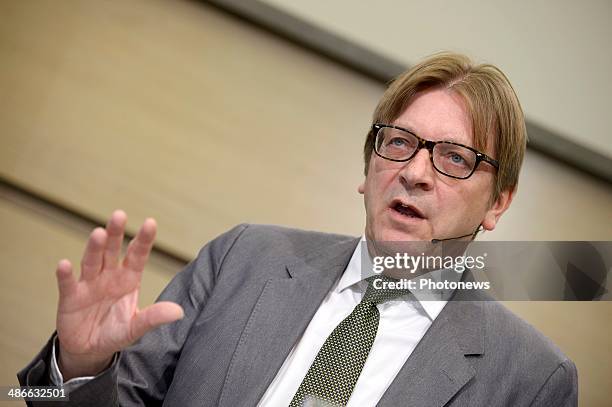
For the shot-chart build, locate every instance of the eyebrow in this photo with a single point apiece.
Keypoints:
(452, 139)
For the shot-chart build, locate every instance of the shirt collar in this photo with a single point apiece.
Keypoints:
(431, 301)
(353, 273)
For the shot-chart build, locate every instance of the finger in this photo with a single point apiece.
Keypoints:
(66, 282)
(140, 247)
(153, 316)
(114, 230)
(91, 263)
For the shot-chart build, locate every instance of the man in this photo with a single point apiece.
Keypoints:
(274, 317)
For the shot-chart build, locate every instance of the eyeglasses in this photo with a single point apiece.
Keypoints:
(449, 158)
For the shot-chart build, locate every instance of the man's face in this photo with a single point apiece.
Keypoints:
(439, 206)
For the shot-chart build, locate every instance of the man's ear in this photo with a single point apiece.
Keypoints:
(498, 207)
(361, 188)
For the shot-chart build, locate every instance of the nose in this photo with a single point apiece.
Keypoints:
(418, 173)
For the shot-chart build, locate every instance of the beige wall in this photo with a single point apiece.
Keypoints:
(176, 111)
(557, 53)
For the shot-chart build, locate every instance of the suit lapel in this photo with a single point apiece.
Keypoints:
(438, 368)
(280, 316)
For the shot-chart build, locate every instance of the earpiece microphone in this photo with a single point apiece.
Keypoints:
(473, 234)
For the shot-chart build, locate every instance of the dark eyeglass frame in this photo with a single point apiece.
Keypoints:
(429, 145)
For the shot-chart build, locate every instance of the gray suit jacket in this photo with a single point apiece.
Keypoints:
(249, 296)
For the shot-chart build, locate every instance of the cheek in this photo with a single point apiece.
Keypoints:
(371, 197)
(382, 173)
(452, 202)
(374, 196)
(376, 186)
(466, 206)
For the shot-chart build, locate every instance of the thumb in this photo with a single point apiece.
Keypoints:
(153, 316)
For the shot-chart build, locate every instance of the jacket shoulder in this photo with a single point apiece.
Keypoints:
(282, 239)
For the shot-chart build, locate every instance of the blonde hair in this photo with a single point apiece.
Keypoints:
(494, 108)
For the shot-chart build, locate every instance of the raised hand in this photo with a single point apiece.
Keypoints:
(98, 314)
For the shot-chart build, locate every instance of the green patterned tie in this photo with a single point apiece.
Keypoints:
(334, 372)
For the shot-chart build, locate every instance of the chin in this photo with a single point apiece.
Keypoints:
(395, 235)
(388, 242)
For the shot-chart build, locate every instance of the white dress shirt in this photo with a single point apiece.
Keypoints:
(401, 327)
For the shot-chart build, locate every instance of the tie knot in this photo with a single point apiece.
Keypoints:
(382, 289)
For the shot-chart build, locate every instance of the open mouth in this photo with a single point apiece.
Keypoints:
(407, 210)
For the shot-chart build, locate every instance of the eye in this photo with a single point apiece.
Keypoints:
(397, 142)
(456, 158)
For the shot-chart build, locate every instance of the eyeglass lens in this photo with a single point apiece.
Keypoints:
(448, 158)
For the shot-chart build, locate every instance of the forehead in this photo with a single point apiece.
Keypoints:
(438, 114)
